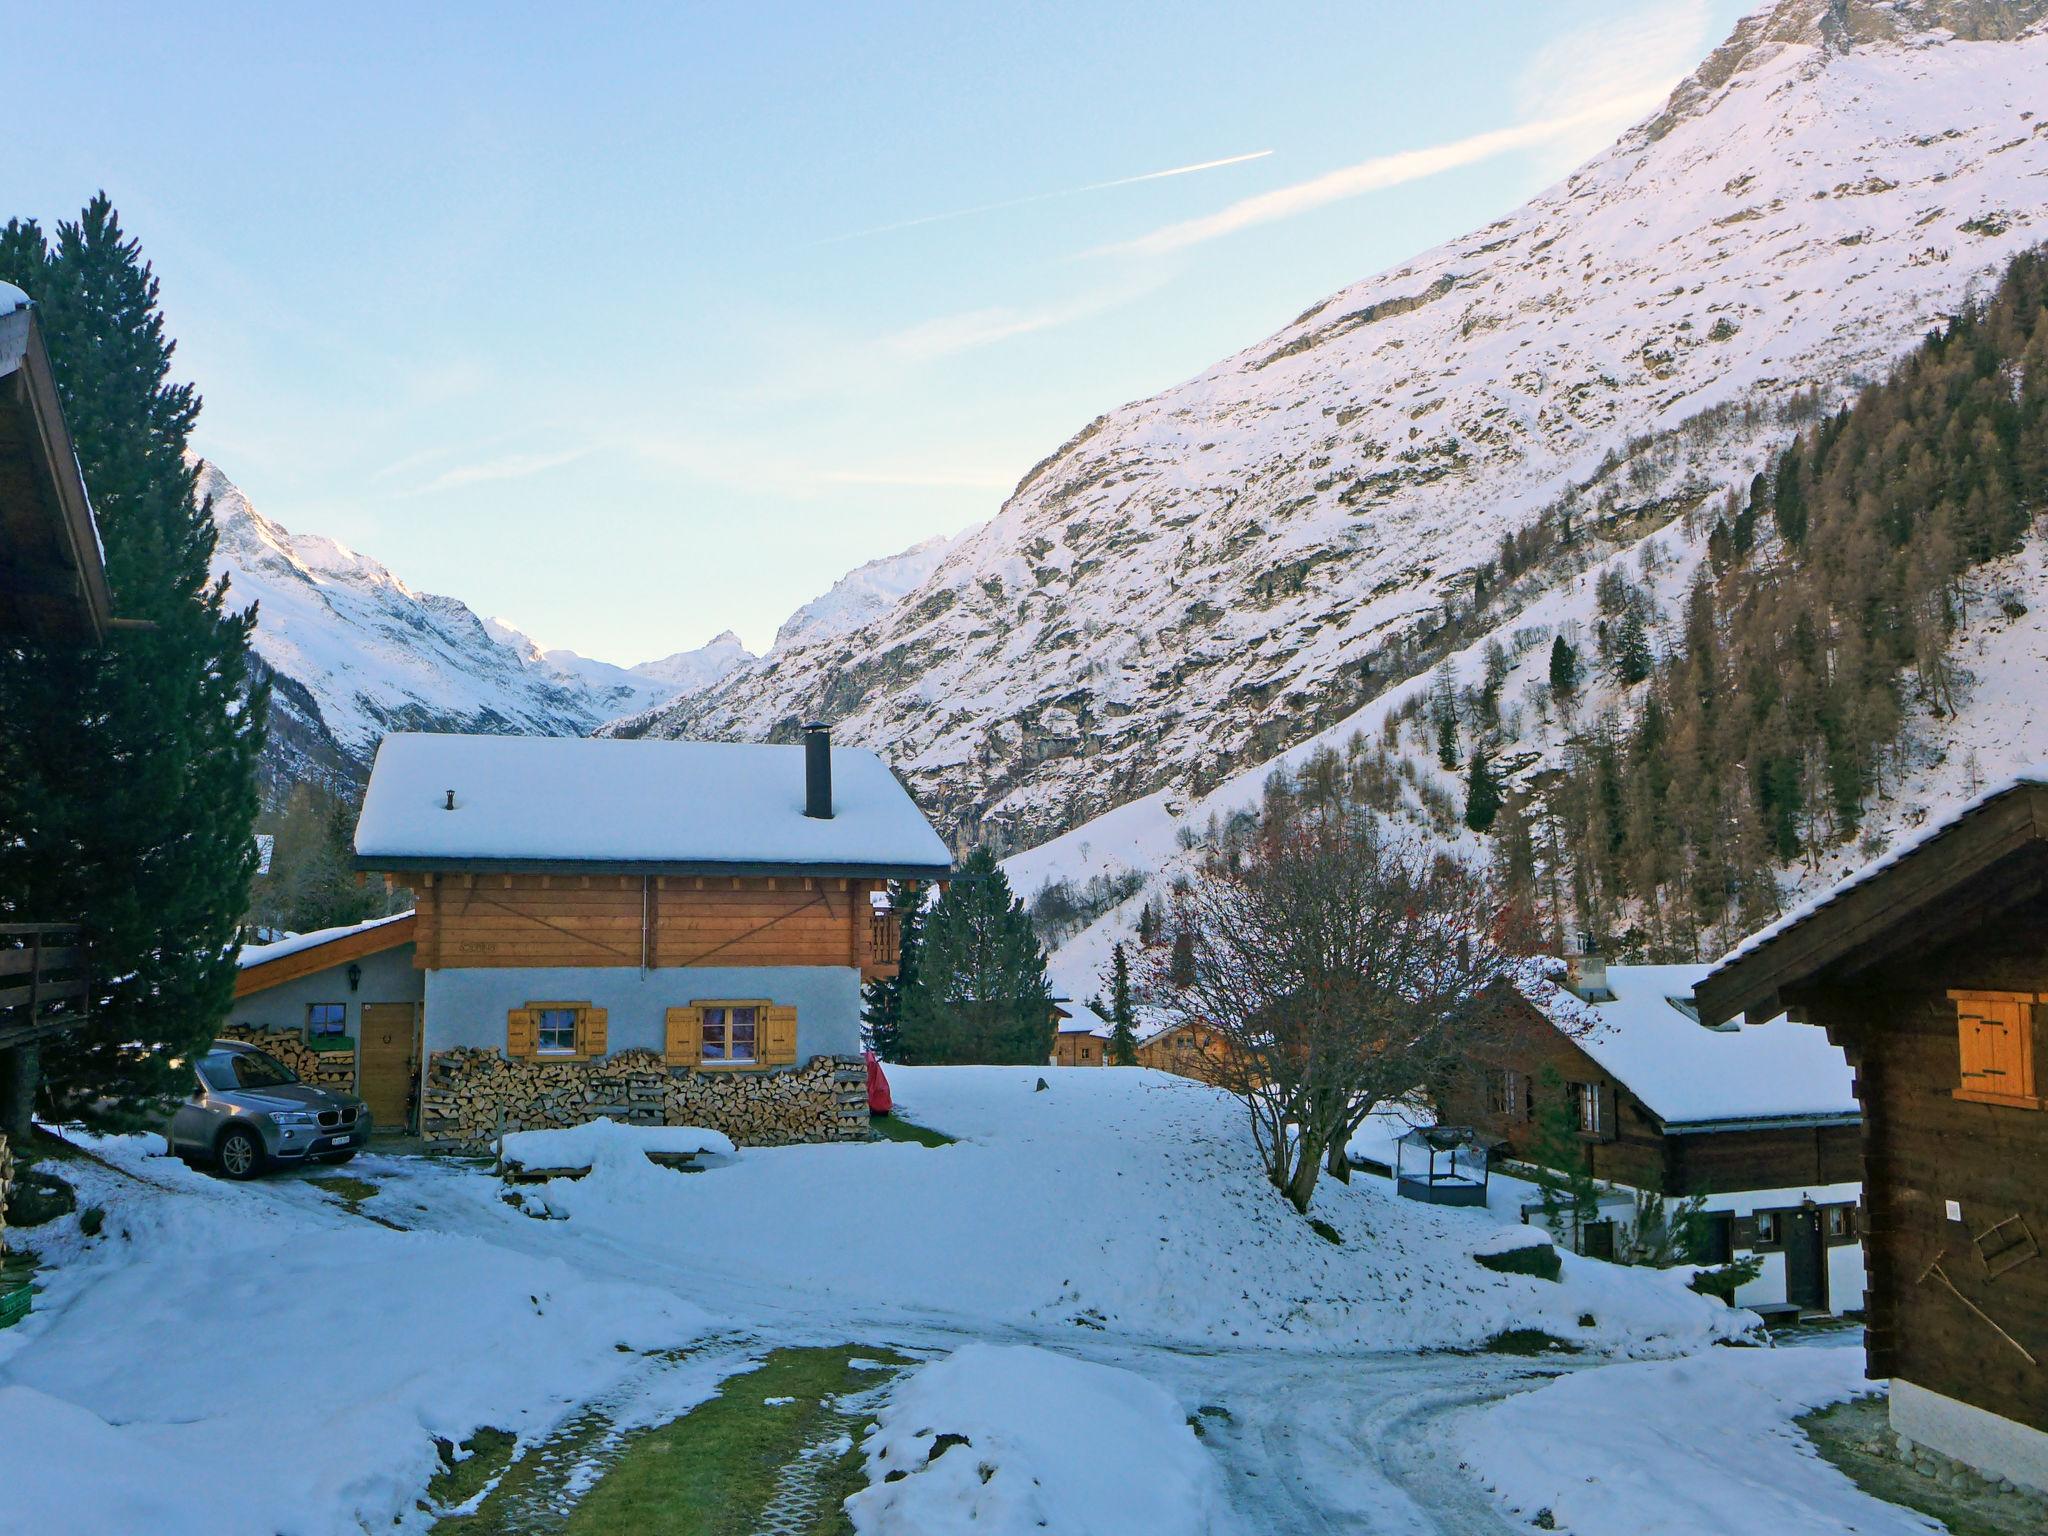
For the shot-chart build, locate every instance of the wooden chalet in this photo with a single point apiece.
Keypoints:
(1761, 1121)
(1186, 1050)
(1080, 1036)
(1930, 970)
(648, 927)
(53, 592)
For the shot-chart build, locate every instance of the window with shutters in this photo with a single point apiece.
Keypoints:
(1995, 1043)
(555, 1031)
(731, 1034)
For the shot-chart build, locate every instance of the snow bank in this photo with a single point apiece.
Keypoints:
(1126, 1200)
(1698, 1447)
(606, 1141)
(1051, 1444)
(210, 1321)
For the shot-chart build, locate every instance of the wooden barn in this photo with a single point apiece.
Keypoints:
(1930, 970)
(662, 931)
(1760, 1121)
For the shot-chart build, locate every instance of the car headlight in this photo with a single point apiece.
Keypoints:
(294, 1117)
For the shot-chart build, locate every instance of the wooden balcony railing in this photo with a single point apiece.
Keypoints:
(45, 980)
(885, 939)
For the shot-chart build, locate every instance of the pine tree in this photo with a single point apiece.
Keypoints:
(1148, 923)
(882, 999)
(1482, 792)
(1180, 966)
(1123, 1038)
(127, 773)
(1564, 669)
(980, 994)
(1633, 657)
(1447, 738)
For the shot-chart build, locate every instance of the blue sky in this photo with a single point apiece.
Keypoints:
(594, 318)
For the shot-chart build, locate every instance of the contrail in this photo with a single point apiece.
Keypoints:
(1043, 197)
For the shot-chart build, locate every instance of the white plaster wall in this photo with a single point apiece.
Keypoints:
(468, 1006)
(388, 977)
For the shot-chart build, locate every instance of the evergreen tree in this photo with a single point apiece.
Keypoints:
(882, 999)
(1180, 967)
(1447, 738)
(1570, 1197)
(1482, 792)
(1148, 923)
(1633, 657)
(127, 773)
(980, 994)
(1564, 669)
(1123, 1038)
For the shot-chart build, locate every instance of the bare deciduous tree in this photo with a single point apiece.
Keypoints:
(1342, 967)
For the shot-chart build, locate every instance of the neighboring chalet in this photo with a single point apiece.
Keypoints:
(1760, 1120)
(1930, 969)
(53, 593)
(340, 1006)
(1187, 1050)
(670, 932)
(1081, 1037)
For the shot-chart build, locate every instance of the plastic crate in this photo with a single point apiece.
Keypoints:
(14, 1302)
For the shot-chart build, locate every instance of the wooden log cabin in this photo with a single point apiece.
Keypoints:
(1760, 1121)
(53, 592)
(1930, 970)
(657, 930)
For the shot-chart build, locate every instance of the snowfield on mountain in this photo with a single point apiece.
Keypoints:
(1201, 578)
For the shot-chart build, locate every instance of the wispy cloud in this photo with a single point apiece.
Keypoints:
(511, 466)
(1645, 51)
(1046, 197)
(1378, 173)
(922, 479)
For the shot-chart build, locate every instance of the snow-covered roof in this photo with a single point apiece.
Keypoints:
(11, 298)
(2034, 775)
(1084, 1021)
(1687, 1073)
(263, 954)
(564, 802)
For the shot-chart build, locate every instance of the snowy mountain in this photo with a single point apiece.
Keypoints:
(688, 671)
(1201, 579)
(861, 595)
(354, 652)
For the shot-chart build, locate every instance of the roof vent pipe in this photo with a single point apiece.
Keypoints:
(818, 770)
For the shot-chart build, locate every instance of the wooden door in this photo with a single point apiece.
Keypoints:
(384, 1063)
(1806, 1274)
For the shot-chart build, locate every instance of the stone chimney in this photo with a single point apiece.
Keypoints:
(818, 770)
(1585, 969)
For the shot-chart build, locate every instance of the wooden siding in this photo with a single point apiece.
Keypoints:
(1079, 1051)
(1923, 1148)
(315, 958)
(654, 921)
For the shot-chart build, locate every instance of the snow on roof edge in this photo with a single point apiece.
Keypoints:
(299, 943)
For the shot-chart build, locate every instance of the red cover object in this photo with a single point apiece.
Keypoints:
(879, 1101)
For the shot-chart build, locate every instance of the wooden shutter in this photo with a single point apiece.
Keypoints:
(1743, 1234)
(522, 1032)
(1995, 1039)
(683, 1044)
(1610, 1112)
(778, 1036)
(592, 1032)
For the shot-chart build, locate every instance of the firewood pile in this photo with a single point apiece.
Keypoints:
(325, 1069)
(474, 1094)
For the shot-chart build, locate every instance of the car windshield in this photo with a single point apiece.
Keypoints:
(224, 1071)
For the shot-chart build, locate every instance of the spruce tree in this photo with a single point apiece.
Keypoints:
(1123, 1037)
(1180, 966)
(1447, 738)
(1633, 657)
(127, 773)
(881, 1000)
(1564, 669)
(980, 995)
(1482, 792)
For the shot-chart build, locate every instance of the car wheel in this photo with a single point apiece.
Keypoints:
(240, 1154)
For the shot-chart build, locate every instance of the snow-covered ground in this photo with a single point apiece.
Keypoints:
(1116, 1218)
(1703, 1446)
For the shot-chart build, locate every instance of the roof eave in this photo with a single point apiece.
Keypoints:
(1791, 1122)
(382, 863)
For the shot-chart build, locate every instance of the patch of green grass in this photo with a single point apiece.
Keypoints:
(482, 1459)
(716, 1470)
(348, 1189)
(530, 1494)
(894, 1128)
(1856, 1437)
(1325, 1231)
(1528, 1341)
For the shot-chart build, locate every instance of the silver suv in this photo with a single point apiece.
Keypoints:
(249, 1111)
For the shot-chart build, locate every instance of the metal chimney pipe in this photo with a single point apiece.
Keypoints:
(818, 770)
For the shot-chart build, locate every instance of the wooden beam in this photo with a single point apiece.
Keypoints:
(319, 957)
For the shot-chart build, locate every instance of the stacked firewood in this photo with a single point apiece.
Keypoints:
(327, 1069)
(473, 1095)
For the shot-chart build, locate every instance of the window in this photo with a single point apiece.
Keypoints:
(1586, 1105)
(1506, 1096)
(1995, 1039)
(555, 1031)
(1766, 1229)
(1841, 1222)
(729, 1032)
(326, 1019)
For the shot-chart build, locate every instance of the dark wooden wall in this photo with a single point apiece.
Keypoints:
(1924, 1148)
